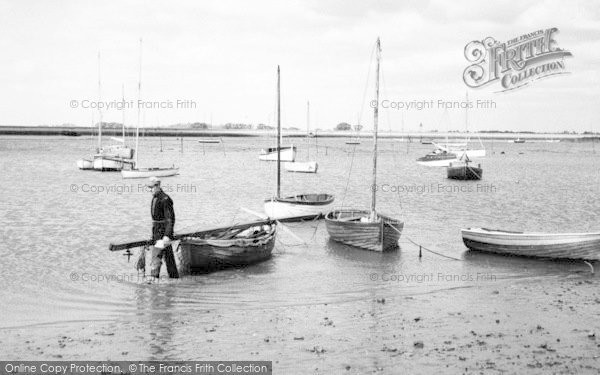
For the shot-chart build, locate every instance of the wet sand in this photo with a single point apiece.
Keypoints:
(503, 327)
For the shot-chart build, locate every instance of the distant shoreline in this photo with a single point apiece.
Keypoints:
(415, 137)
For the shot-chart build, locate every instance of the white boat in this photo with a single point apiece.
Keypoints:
(461, 150)
(366, 229)
(303, 205)
(210, 140)
(304, 166)
(108, 163)
(288, 153)
(544, 245)
(149, 172)
(299, 206)
(438, 158)
(85, 164)
(111, 157)
(301, 166)
(135, 171)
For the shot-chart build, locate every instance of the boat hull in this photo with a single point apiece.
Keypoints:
(287, 154)
(85, 164)
(346, 227)
(303, 206)
(203, 255)
(436, 162)
(542, 245)
(301, 167)
(464, 172)
(111, 163)
(149, 172)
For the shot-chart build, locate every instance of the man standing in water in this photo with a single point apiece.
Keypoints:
(163, 221)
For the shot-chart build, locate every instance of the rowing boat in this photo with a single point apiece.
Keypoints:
(543, 245)
(229, 247)
(356, 228)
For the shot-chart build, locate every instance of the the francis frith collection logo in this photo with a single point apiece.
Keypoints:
(514, 63)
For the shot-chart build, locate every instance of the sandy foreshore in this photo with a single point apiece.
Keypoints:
(508, 327)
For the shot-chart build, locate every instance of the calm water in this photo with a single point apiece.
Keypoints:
(55, 236)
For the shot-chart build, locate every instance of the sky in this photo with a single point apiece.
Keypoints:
(221, 58)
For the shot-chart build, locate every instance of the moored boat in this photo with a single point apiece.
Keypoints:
(543, 245)
(301, 166)
(229, 247)
(301, 205)
(438, 158)
(519, 140)
(288, 153)
(464, 171)
(296, 207)
(109, 163)
(149, 172)
(85, 164)
(366, 229)
(356, 228)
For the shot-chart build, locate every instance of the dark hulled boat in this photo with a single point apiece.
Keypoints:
(228, 247)
(464, 171)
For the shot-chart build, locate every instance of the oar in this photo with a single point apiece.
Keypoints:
(283, 227)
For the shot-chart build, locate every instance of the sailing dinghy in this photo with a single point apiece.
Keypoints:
(305, 206)
(304, 166)
(135, 171)
(364, 229)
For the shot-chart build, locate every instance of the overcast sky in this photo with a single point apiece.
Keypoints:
(223, 56)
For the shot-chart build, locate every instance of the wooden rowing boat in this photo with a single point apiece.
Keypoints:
(543, 245)
(364, 229)
(354, 228)
(228, 248)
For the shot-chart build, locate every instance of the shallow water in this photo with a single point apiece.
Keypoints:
(58, 271)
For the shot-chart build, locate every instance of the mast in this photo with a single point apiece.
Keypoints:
(278, 134)
(99, 110)
(307, 129)
(137, 129)
(375, 123)
(123, 111)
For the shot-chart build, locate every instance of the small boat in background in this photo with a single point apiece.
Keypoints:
(301, 166)
(425, 141)
(438, 158)
(227, 247)
(464, 171)
(133, 170)
(288, 153)
(519, 140)
(210, 140)
(543, 245)
(353, 142)
(300, 206)
(85, 164)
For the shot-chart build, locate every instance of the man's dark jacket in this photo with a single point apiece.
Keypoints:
(163, 216)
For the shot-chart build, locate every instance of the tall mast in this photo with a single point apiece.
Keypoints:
(307, 128)
(99, 110)
(278, 135)
(123, 111)
(137, 129)
(375, 124)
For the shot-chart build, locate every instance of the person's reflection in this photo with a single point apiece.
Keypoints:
(155, 311)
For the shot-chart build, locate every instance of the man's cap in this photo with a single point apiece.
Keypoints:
(153, 181)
